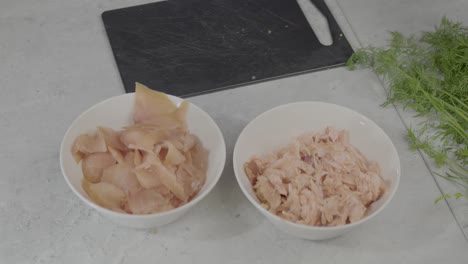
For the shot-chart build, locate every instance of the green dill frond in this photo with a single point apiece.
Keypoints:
(429, 74)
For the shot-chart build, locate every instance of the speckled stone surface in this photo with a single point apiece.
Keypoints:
(55, 62)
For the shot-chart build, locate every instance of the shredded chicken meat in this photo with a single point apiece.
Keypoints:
(319, 179)
(151, 166)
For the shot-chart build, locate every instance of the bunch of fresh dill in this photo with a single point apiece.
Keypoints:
(429, 74)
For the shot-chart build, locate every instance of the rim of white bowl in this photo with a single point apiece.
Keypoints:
(219, 169)
(309, 227)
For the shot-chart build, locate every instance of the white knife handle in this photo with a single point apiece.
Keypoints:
(318, 22)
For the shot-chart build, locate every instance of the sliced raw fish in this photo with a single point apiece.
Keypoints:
(150, 104)
(148, 201)
(139, 138)
(171, 155)
(150, 166)
(112, 138)
(86, 144)
(105, 194)
(148, 177)
(169, 180)
(116, 154)
(122, 176)
(94, 164)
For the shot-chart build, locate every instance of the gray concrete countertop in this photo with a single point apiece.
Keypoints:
(55, 62)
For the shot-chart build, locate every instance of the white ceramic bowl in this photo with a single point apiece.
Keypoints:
(278, 126)
(117, 112)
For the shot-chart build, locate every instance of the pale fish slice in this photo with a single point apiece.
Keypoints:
(199, 157)
(122, 176)
(149, 104)
(181, 139)
(141, 139)
(155, 108)
(149, 172)
(112, 138)
(86, 144)
(118, 156)
(182, 110)
(189, 182)
(170, 155)
(148, 201)
(148, 178)
(137, 158)
(148, 159)
(166, 122)
(94, 164)
(129, 158)
(188, 141)
(196, 165)
(168, 179)
(105, 194)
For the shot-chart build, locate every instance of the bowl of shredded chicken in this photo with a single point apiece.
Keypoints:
(143, 159)
(316, 170)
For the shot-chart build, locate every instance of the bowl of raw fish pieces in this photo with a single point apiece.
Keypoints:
(116, 113)
(276, 128)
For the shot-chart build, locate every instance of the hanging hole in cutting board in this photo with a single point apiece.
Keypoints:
(318, 22)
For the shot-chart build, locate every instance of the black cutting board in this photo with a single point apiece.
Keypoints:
(189, 47)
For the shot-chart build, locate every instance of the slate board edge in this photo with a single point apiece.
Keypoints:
(103, 14)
